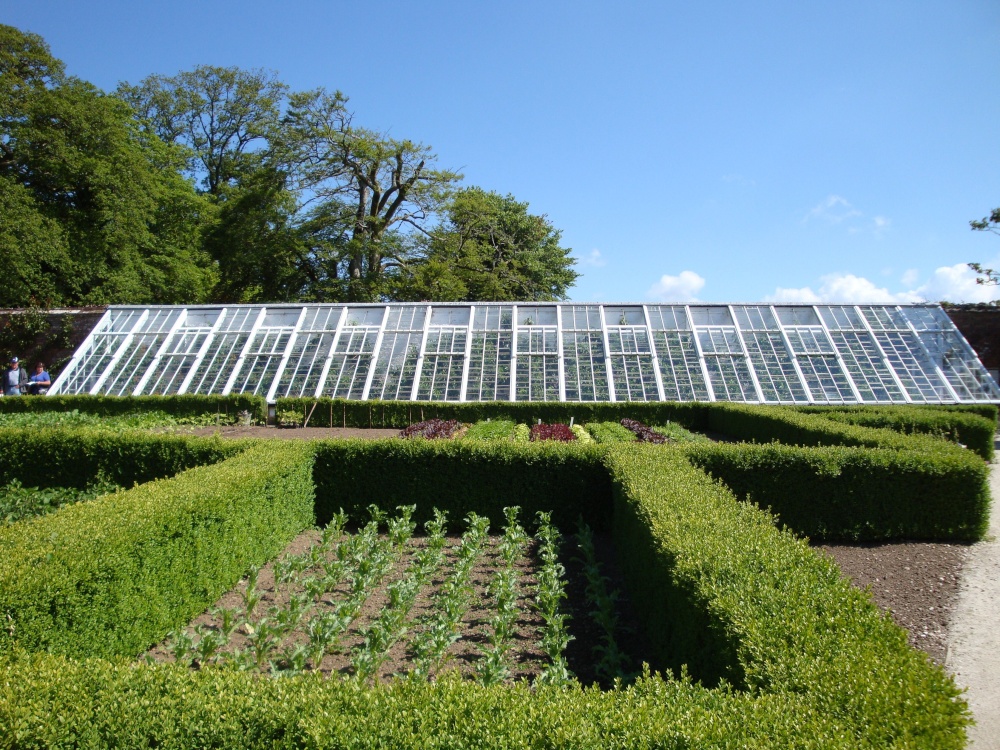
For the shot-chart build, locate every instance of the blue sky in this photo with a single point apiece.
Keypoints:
(719, 151)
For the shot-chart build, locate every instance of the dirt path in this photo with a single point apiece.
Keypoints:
(974, 637)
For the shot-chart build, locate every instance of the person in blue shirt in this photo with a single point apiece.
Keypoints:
(15, 380)
(40, 381)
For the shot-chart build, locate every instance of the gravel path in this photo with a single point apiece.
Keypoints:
(974, 637)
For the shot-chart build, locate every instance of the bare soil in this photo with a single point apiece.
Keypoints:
(527, 659)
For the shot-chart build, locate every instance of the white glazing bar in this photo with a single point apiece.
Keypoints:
(746, 354)
(244, 351)
(795, 360)
(84, 348)
(152, 366)
(372, 365)
(272, 391)
(205, 346)
(420, 355)
(885, 359)
(652, 350)
(561, 365)
(513, 354)
(927, 354)
(126, 340)
(701, 354)
(468, 355)
(607, 355)
(333, 348)
(839, 356)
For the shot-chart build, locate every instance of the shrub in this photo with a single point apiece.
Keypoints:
(970, 429)
(110, 577)
(462, 476)
(858, 494)
(177, 406)
(721, 589)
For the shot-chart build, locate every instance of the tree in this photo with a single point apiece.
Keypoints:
(991, 223)
(225, 117)
(123, 225)
(491, 248)
(366, 187)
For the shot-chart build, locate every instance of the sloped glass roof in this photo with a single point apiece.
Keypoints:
(498, 351)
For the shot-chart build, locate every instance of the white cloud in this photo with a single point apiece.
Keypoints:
(594, 259)
(681, 288)
(881, 223)
(843, 288)
(956, 283)
(952, 283)
(833, 209)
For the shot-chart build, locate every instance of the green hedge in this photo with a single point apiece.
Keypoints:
(786, 425)
(772, 616)
(462, 476)
(112, 576)
(178, 406)
(76, 457)
(970, 429)
(843, 493)
(816, 665)
(365, 414)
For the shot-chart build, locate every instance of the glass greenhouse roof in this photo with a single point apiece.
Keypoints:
(776, 354)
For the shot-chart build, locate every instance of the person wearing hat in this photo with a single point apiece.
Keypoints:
(15, 380)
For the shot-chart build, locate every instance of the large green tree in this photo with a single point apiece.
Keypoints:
(121, 222)
(365, 188)
(490, 247)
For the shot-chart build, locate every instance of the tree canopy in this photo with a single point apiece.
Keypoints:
(222, 185)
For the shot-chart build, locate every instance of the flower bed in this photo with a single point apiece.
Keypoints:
(558, 432)
(432, 429)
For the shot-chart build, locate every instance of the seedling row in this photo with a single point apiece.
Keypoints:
(379, 600)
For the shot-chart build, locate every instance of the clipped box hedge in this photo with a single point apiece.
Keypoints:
(325, 412)
(112, 576)
(857, 494)
(723, 590)
(178, 406)
(74, 457)
(811, 661)
(461, 476)
(786, 425)
(973, 430)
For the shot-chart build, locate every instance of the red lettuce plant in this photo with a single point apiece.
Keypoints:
(552, 432)
(643, 433)
(432, 429)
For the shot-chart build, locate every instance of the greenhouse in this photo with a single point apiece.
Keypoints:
(776, 354)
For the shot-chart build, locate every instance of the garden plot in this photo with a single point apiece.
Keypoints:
(384, 601)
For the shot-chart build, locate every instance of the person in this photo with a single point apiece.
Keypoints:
(40, 381)
(15, 379)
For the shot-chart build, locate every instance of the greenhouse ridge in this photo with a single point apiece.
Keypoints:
(496, 351)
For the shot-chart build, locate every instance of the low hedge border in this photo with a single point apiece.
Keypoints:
(178, 406)
(75, 457)
(816, 663)
(112, 576)
(326, 412)
(780, 618)
(970, 429)
(857, 494)
(787, 425)
(461, 476)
